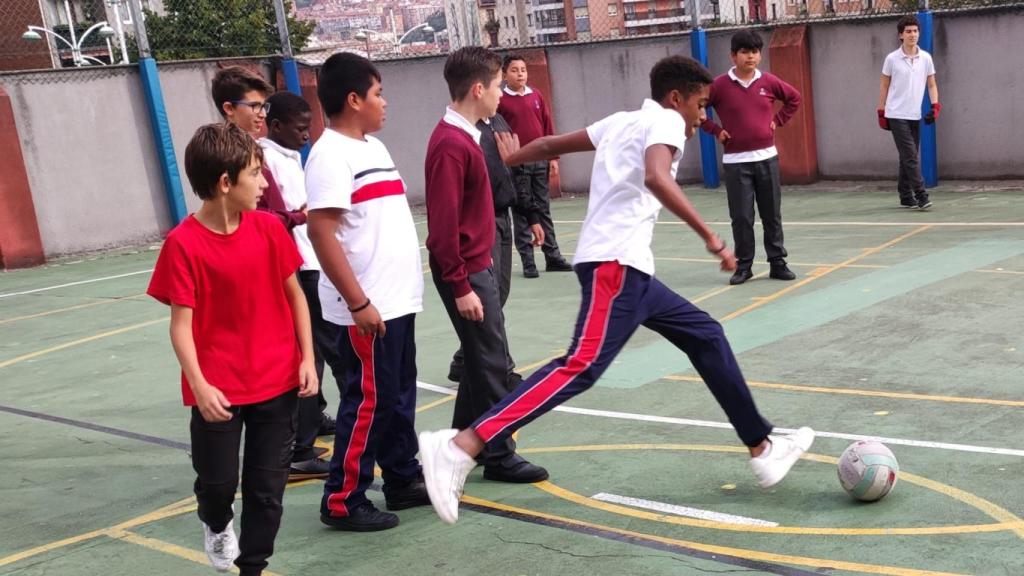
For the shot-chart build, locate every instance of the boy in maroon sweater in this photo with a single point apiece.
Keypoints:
(528, 115)
(745, 101)
(460, 234)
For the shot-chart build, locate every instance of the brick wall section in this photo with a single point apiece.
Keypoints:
(790, 54)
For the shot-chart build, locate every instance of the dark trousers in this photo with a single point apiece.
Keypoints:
(375, 415)
(534, 178)
(501, 256)
(907, 134)
(745, 184)
(269, 434)
(325, 348)
(486, 376)
(617, 300)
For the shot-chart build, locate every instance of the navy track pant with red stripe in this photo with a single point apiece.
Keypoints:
(375, 415)
(616, 301)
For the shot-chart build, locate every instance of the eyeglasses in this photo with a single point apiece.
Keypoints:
(257, 107)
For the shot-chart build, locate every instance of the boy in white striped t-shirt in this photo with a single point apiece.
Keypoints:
(364, 236)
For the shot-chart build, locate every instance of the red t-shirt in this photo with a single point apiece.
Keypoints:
(242, 322)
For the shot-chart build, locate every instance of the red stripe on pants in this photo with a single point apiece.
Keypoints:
(609, 279)
(363, 346)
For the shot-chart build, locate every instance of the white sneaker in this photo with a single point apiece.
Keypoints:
(222, 548)
(445, 467)
(773, 465)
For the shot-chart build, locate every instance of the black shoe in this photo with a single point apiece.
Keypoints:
(309, 469)
(558, 265)
(780, 271)
(409, 496)
(327, 425)
(515, 470)
(923, 203)
(319, 451)
(364, 518)
(530, 271)
(740, 276)
(908, 203)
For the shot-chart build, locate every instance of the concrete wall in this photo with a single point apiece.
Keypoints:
(89, 155)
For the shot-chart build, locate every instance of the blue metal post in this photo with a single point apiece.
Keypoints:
(708, 147)
(291, 82)
(929, 152)
(162, 135)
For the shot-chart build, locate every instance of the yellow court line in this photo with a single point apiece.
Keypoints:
(809, 279)
(70, 308)
(437, 402)
(712, 549)
(168, 548)
(1006, 520)
(857, 392)
(74, 343)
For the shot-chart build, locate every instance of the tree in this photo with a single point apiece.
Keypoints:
(193, 29)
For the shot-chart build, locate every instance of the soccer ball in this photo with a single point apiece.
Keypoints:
(867, 470)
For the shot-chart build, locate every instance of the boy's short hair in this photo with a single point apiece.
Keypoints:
(467, 66)
(907, 21)
(746, 40)
(230, 85)
(286, 107)
(678, 73)
(342, 74)
(509, 59)
(216, 149)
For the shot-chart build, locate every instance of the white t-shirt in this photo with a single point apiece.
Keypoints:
(377, 230)
(621, 211)
(286, 166)
(909, 79)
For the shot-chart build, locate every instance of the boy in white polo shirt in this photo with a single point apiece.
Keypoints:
(633, 177)
(287, 132)
(906, 72)
(365, 238)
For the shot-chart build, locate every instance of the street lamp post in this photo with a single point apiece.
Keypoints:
(362, 35)
(424, 26)
(34, 33)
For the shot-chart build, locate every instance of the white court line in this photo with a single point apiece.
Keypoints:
(841, 223)
(681, 510)
(76, 283)
(727, 426)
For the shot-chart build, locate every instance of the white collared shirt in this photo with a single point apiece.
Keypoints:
(286, 166)
(749, 155)
(526, 91)
(908, 80)
(621, 211)
(459, 121)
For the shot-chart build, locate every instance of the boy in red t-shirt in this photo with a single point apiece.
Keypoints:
(240, 329)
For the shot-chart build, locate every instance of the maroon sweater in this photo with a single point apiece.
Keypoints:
(527, 115)
(460, 209)
(747, 113)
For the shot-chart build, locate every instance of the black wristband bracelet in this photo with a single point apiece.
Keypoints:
(722, 247)
(361, 307)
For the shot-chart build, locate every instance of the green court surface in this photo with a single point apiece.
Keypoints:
(903, 325)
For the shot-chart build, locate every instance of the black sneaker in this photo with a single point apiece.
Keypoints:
(309, 469)
(924, 203)
(740, 276)
(779, 271)
(558, 265)
(908, 203)
(530, 271)
(409, 496)
(515, 470)
(364, 518)
(327, 425)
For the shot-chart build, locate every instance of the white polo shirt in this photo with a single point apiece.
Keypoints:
(377, 231)
(909, 79)
(621, 211)
(286, 166)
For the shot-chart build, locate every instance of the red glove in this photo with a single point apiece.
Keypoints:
(883, 122)
(934, 114)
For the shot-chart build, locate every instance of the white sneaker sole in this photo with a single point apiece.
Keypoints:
(438, 496)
